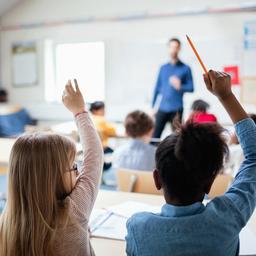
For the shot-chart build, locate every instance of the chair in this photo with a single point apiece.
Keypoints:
(136, 181)
(220, 185)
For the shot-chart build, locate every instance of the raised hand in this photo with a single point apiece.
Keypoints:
(73, 98)
(218, 83)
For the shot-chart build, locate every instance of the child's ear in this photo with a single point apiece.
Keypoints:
(157, 179)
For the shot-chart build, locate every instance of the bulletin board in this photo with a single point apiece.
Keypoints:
(24, 64)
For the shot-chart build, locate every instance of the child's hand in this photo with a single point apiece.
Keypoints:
(73, 99)
(218, 83)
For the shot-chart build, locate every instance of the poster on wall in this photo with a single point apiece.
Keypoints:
(234, 73)
(24, 64)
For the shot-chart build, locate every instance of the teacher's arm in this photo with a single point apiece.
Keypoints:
(157, 89)
(188, 85)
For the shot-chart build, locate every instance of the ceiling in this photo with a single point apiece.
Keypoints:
(5, 5)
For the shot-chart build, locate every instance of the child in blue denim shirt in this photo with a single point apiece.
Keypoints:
(187, 163)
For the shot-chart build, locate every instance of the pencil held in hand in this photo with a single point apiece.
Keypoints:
(197, 55)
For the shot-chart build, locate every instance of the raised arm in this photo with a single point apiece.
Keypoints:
(242, 194)
(86, 189)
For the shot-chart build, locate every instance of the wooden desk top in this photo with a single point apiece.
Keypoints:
(108, 198)
(103, 246)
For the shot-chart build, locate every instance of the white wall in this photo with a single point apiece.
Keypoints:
(219, 37)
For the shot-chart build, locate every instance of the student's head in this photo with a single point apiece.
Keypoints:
(98, 108)
(3, 96)
(174, 46)
(188, 161)
(200, 106)
(40, 177)
(138, 124)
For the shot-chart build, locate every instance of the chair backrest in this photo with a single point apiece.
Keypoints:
(220, 185)
(136, 181)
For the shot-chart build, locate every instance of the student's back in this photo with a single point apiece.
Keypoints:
(203, 118)
(13, 120)
(194, 230)
(135, 155)
(187, 164)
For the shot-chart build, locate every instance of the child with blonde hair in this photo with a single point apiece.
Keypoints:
(49, 201)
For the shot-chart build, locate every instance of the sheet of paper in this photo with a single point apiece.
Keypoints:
(111, 222)
(114, 227)
(247, 242)
(97, 218)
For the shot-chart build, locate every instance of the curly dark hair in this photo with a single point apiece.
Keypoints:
(189, 160)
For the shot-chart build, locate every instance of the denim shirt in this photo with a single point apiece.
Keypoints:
(198, 230)
(135, 155)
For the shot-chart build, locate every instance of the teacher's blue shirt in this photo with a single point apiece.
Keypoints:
(198, 230)
(171, 99)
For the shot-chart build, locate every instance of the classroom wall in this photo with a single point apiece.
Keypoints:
(219, 36)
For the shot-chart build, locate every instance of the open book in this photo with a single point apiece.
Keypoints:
(110, 223)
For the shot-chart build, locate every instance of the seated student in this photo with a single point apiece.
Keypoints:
(104, 128)
(137, 153)
(13, 118)
(187, 163)
(199, 113)
(49, 200)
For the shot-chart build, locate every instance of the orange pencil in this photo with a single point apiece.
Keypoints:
(197, 55)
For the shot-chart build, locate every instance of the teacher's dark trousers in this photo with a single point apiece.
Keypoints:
(165, 117)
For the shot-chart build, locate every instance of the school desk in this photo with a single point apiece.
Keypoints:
(103, 247)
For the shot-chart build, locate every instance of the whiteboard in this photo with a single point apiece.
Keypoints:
(24, 61)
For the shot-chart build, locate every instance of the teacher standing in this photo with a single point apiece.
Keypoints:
(174, 79)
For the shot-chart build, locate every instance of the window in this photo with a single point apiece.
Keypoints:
(83, 61)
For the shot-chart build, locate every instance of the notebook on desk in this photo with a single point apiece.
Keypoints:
(110, 223)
